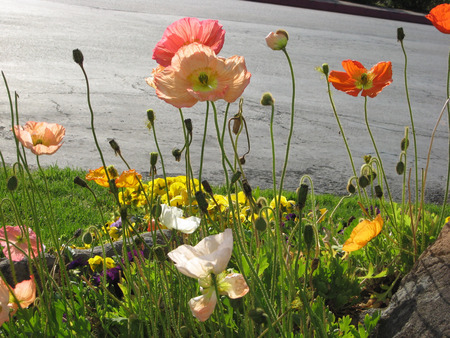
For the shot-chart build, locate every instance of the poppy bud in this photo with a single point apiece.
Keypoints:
(156, 211)
(78, 57)
(378, 191)
(302, 193)
(188, 124)
(404, 144)
(201, 200)
(308, 236)
(115, 146)
(207, 187)
(400, 168)
(258, 315)
(247, 189)
(237, 122)
(363, 181)
(77, 180)
(267, 99)
(177, 154)
(87, 238)
(400, 34)
(12, 183)
(367, 158)
(77, 233)
(151, 116)
(325, 69)
(277, 40)
(350, 187)
(260, 224)
(242, 160)
(314, 264)
(123, 213)
(236, 176)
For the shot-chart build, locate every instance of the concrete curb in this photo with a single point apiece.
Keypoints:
(354, 9)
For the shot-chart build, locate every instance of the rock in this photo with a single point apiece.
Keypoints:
(22, 270)
(421, 306)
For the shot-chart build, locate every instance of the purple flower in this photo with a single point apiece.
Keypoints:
(79, 262)
(117, 224)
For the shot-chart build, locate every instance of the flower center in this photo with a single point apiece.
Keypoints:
(365, 81)
(203, 78)
(203, 81)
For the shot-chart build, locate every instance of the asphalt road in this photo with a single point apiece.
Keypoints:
(117, 39)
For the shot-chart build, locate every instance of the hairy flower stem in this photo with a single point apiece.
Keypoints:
(202, 153)
(161, 159)
(413, 130)
(394, 218)
(441, 218)
(333, 106)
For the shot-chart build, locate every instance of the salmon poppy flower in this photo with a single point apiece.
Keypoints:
(197, 74)
(4, 302)
(18, 243)
(25, 294)
(184, 32)
(440, 17)
(356, 78)
(41, 138)
(363, 233)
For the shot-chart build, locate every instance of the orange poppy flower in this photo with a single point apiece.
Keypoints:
(184, 32)
(356, 78)
(41, 138)
(440, 17)
(128, 179)
(99, 176)
(197, 74)
(363, 233)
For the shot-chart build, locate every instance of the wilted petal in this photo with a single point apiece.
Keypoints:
(203, 306)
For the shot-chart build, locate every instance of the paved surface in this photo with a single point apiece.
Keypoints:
(117, 39)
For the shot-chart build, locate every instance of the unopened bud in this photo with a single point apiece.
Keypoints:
(207, 187)
(325, 69)
(308, 236)
(277, 40)
(260, 224)
(12, 183)
(177, 154)
(87, 238)
(188, 124)
(237, 122)
(400, 168)
(247, 189)
(367, 158)
(378, 191)
(404, 144)
(153, 158)
(350, 187)
(201, 200)
(77, 180)
(77, 233)
(242, 160)
(258, 315)
(363, 181)
(302, 193)
(78, 57)
(115, 146)
(400, 34)
(151, 116)
(123, 213)
(314, 264)
(267, 99)
(156, 210)
(236, 176)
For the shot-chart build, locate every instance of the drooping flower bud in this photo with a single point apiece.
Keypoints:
(363, 181)
(242, 160)
(77, 233)
(177, 154)
(267, 99)
(201, 200)
(188, 124)
(12, 183)
(404, 144)
(260, 224)
(247, 189)
(237, 122)
(378, 191)
(277, 40)
(78, 57)
(350, 187)
(87, 238)
(400, 34)
(302, 193)
(400, 168)
(77, 180)
(115, 146)
(207, 187)
(236, 176)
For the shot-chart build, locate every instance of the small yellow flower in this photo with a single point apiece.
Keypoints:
(95, 262)
(363, 233)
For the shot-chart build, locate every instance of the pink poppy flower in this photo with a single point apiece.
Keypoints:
(4, 300)
(197, 74)
(18, 243)
(209, 256)
(41, 138)
(184, 32)
(25, 293)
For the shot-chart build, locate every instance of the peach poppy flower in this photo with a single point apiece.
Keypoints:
(25, 293)
(150, 80)
(184, 32)
(440, 17)
(41, 138)
(209, 256)
(363, 233)
(197, 74)
(277, 40)
(356, 78)
(18, 243)
(4, 302)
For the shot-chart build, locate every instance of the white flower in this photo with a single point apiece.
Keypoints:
(209, 256)
(172, 218)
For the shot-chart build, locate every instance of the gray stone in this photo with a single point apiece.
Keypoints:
(22, 268)
(421, 306)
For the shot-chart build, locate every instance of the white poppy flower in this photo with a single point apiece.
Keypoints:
(172, 218)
